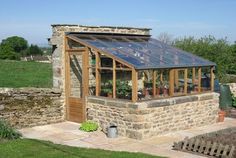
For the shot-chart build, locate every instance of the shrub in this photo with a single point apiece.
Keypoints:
(89, 126)
(234, 101)
(7, 132)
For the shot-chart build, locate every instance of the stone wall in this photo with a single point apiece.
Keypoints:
(146, 119)
(25, 107)
(232, 88)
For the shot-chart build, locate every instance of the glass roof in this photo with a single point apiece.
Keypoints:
(142, 52)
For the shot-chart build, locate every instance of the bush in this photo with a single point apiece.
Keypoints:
(7, 132)
(89, 126)
(234, 101)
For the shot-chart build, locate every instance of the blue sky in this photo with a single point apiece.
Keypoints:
(31, 19)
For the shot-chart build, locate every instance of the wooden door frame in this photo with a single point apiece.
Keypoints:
(85, 77)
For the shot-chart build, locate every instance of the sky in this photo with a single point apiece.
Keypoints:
(32, 19)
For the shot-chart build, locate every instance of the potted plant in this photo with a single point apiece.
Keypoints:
(108, 92)
(221, 116)
(165, 88)
(158, 87)
(123, 89)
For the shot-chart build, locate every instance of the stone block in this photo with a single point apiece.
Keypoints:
(134, 134)
(96, 100)
(1, 107)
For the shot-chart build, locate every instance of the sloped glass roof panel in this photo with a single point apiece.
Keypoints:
(143, 52)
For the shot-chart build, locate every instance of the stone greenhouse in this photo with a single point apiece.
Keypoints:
(123, 76)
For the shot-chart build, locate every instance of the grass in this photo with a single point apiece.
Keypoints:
(25, 74)
(30, 148)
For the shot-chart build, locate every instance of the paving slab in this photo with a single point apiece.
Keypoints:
(68, 133)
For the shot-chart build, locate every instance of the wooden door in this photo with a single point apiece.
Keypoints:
(75, 86)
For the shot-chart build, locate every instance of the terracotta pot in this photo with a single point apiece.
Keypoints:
(158, 91)
(165, 91)
(109, 95)
(221, 116)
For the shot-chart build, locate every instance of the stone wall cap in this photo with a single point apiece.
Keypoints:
(90, 26)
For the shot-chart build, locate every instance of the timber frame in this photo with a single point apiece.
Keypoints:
(173, 72)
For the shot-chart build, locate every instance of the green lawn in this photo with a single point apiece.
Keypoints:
(25, 74)
(29, 148)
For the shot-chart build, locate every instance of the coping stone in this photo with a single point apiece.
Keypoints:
(185, 99)
(96, 101)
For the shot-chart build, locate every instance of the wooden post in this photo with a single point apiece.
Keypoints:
(134, 85)
(176, 78)
(67, 76)
(199, 79)
(154, 78)
(161, 76)
(85, 73)
(114, 79)
(98, 74)
(212, 79)
(171, 82)
(193, 75)
(185, 81)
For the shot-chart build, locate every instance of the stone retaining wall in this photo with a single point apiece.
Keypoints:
(146, 119)
(25, 107)
(232, 88)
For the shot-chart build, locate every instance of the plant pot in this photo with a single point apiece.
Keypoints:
(109, 95)
(221, 116)
(158, 91)
(165, 91)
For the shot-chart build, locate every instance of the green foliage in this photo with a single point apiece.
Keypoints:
(25, 74)
(123, 89)
(89, 126)
(18, 44)
(7, 132)
(29, 148)
(234, 100)
(33, 50)
(6, 52)
(216, 50)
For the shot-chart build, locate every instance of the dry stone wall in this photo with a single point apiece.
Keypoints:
(151, 118)
(26, 107)
(232, 88)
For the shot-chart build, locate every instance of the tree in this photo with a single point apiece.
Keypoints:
(216, 50)
(18, 44)
(165, 38)
(33, 50)
(6, 52)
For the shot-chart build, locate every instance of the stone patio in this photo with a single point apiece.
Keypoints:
(67, 133)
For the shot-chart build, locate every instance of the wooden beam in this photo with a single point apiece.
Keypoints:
(75, 50)
(134, 85)
(85, 81)
(114, 78)
(171, 82)
(176, 78)
(85, 73)
(98, 74)
(67, 77)
(193, 75)
(154, 78)
(104, 52)
(161, 76)
(212, 79)
(185, 81)
(199, 79)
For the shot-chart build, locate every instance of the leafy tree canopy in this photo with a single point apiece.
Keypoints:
(33, 50)
(6, 52)
(18, 44)
(216, 50)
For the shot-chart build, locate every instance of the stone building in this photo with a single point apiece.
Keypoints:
(122, 76)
